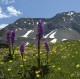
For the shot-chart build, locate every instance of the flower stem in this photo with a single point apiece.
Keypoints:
(13, 49)
(9, 49)
(38, 59)
(47, 57)
(23, 66)
(23, 62)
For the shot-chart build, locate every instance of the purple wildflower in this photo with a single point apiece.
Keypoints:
(22, 48)
(9, 36)
(46, 46)
(37, 35)
(40, 29)
(12, 36)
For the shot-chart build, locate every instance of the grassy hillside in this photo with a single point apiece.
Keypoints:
(64, 61)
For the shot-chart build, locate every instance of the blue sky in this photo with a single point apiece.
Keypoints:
(11, 10)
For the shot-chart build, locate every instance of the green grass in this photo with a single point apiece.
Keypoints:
(64, 61)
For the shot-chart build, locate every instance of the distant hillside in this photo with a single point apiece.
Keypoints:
(63, 26)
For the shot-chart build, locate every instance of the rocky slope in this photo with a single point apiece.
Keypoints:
(63, 26)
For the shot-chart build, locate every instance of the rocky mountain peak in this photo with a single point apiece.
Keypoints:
(65, 25)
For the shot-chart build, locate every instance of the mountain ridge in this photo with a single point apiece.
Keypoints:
(66, 23)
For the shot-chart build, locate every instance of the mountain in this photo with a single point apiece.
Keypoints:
(63, 26)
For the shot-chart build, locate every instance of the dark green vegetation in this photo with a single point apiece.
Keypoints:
(64, 61)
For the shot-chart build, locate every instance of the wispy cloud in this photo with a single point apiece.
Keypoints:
(12, 11)
(2, 14)
(7, 1)
(3, 25)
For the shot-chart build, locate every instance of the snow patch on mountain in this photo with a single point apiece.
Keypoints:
(29, 23)
(71, 19)
(64, 18)
(52, 35)
(48, 34)
(37, 23)
(26, 35)
(70, 13)
(25, 22)
(54, 40)
(16, 23)
(19, 28)
(27, 43)
(44, 22)
(64, 39)
(70, 29)
(16, 29)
